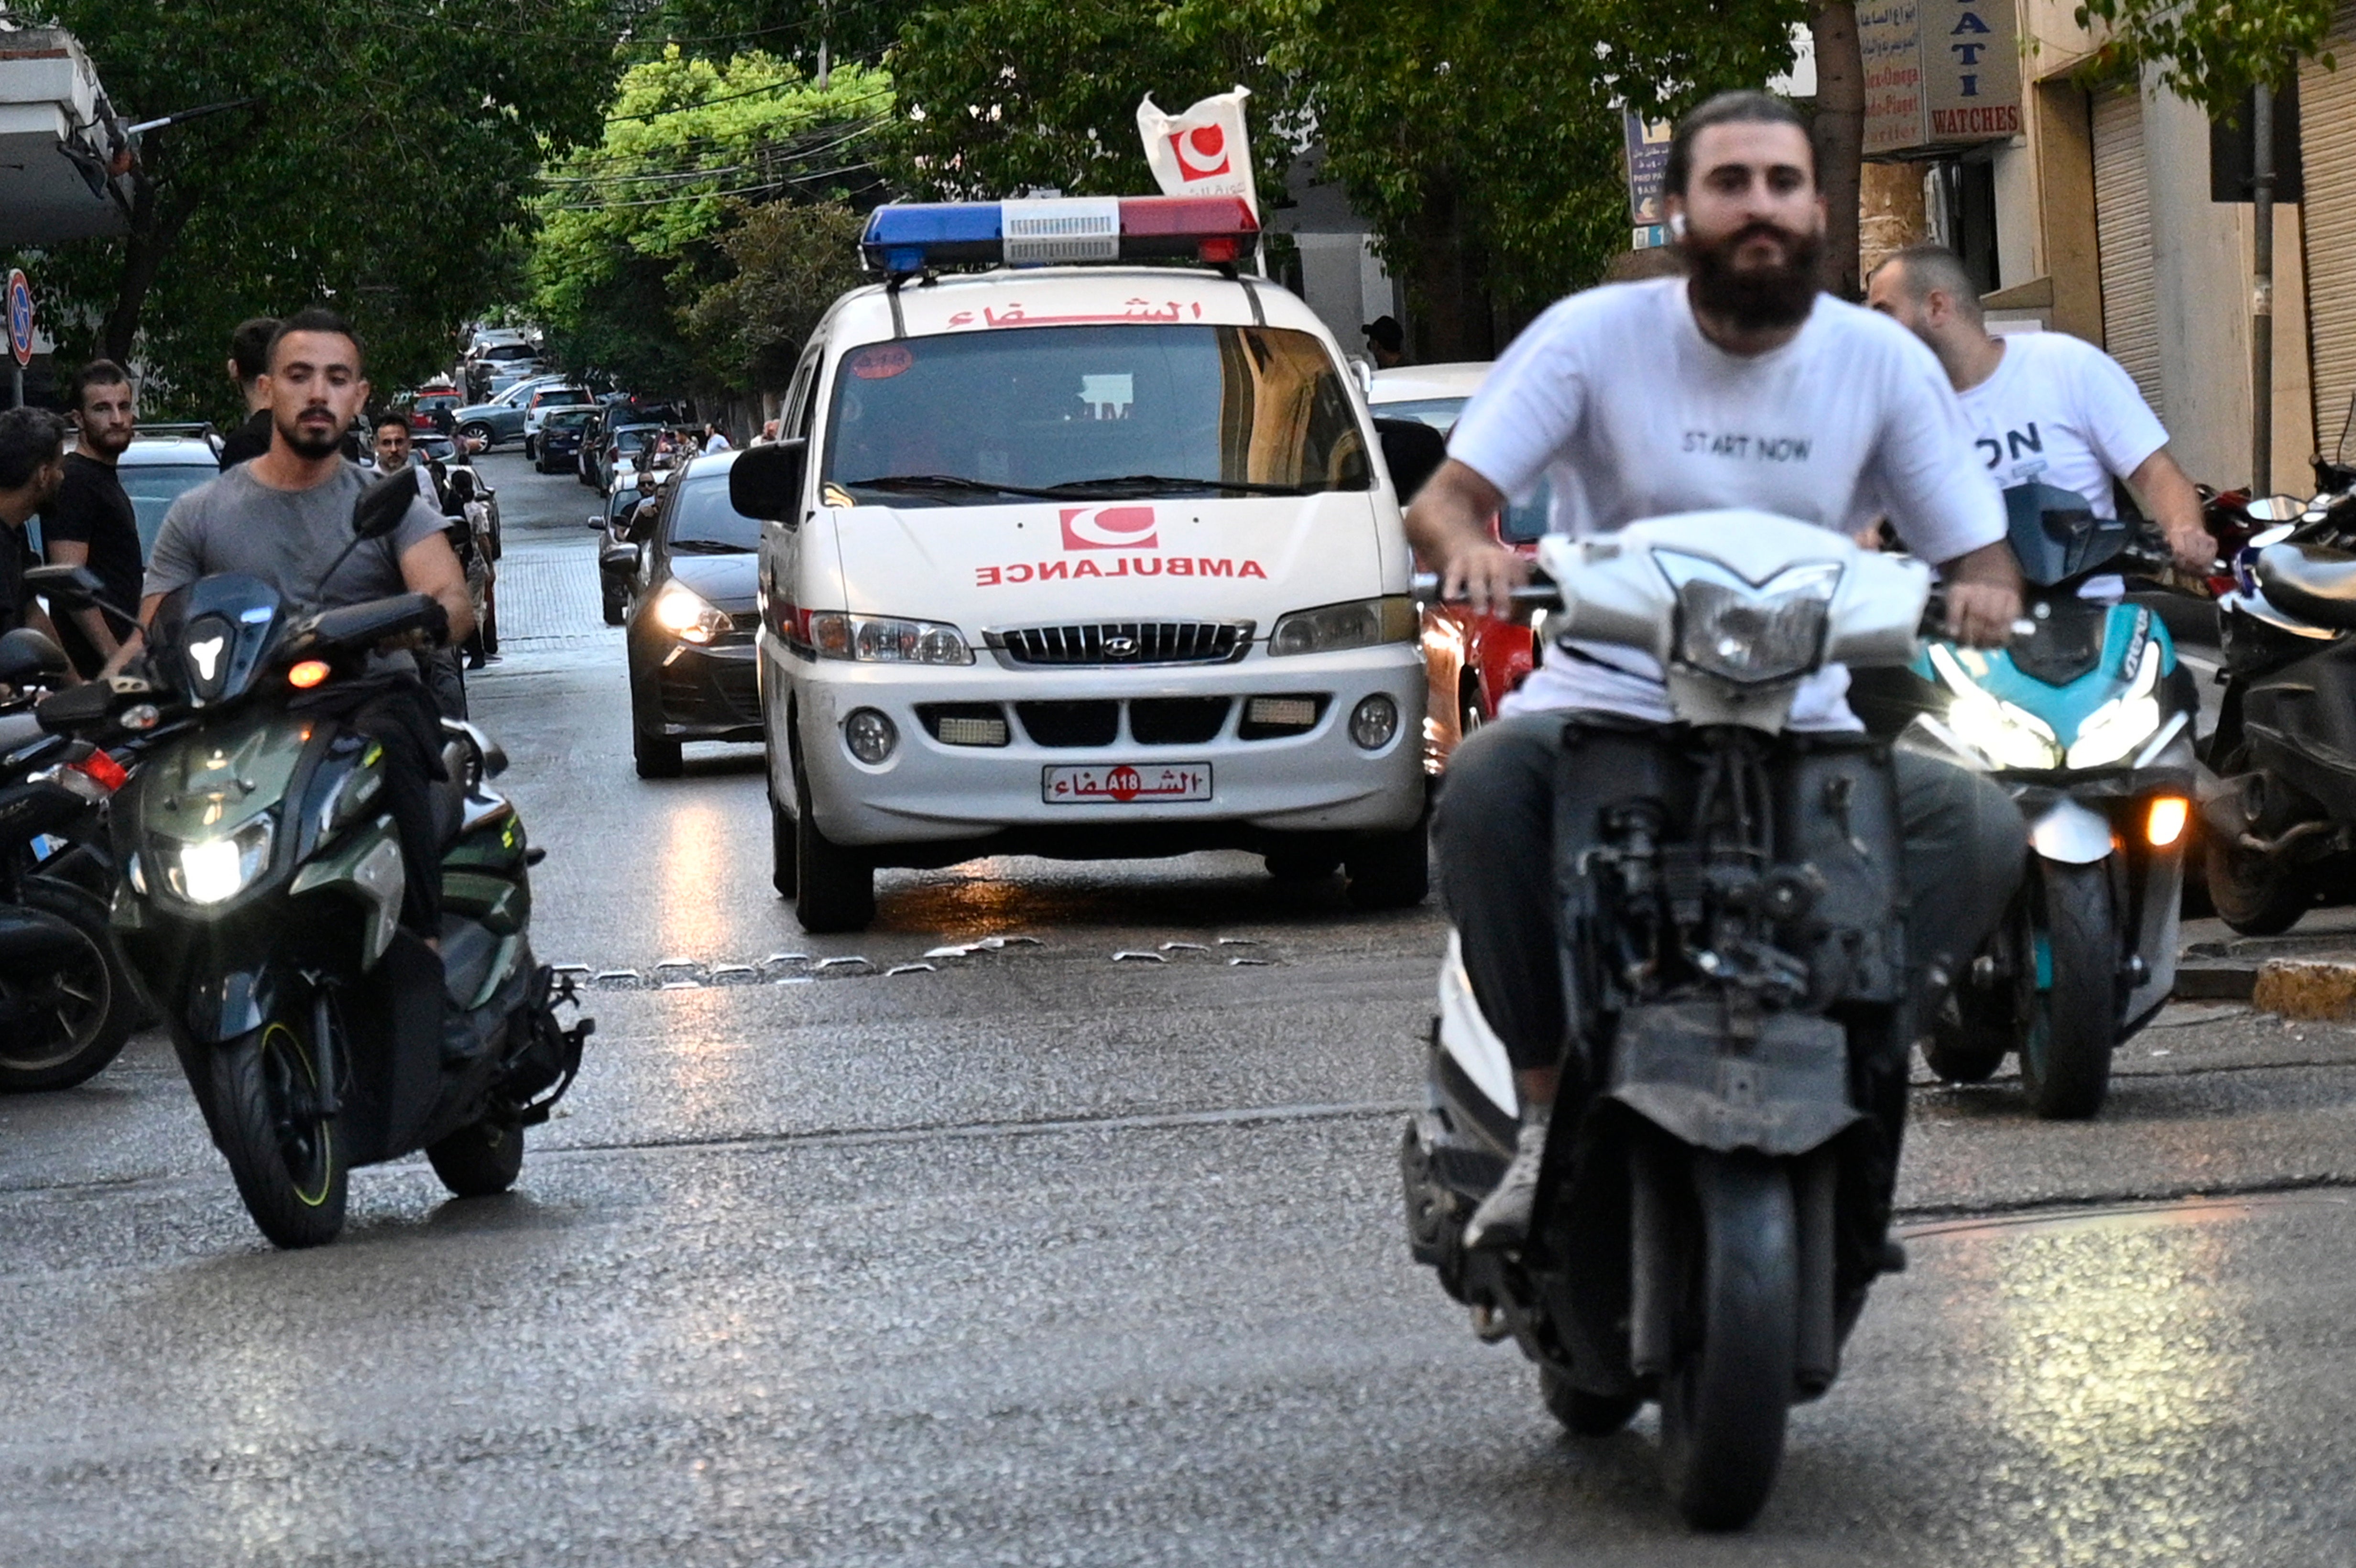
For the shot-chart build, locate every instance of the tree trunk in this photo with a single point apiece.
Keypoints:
(1452, 318)
(153, 234)
(1839, 137)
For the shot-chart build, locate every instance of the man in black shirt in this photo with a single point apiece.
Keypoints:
(90, 521)
(249, 358)
(32, 459)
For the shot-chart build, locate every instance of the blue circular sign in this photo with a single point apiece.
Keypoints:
(20, 317)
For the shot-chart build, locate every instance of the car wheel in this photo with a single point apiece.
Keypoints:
(656, 756)
(532, 450)
(834, 887)
(476, 430)
(1469, 712)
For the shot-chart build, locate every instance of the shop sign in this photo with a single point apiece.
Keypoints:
(1938, 74)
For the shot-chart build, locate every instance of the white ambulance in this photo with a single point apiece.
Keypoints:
(1089, 558)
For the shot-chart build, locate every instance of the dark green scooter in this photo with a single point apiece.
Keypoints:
(259, 901)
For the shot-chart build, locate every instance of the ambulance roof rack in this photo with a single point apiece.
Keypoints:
(907, 237)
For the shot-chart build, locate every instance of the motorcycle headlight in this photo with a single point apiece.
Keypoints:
(689, 616)
(1749, 633)
(2009, 736)
(886, 639)
(1329, 628)
(2125, 721)
(210, 871)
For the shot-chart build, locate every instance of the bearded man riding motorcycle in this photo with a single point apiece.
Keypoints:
(1739, 384)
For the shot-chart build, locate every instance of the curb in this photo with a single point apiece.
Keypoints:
(2214, 982)
(2311, 989)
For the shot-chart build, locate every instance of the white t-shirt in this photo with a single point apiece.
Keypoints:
(2061, 411)
(1616, 397)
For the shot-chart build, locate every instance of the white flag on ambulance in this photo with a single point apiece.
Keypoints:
(1203, 152)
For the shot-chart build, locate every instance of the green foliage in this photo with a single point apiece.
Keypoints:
(383, 168)
(791, 261)
(632, 229)
(857, 30)
(2211, 51)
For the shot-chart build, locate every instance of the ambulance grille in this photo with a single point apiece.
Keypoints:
(1126, 643)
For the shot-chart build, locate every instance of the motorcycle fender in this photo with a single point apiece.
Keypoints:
(31, 939)
(1466, 1037)
(226, 1005)
(367, 867)
(2071, 833)
(1784, 1091)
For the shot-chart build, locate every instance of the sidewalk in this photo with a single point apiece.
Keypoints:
(548, 594)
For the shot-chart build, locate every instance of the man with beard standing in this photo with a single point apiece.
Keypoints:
(1739, 384)
(90, 522)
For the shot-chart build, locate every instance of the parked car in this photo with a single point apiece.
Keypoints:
(161, 464)
(500, 419)
(693, 616)
(487, 362)
(428, 400)
(1472, 661)
(559, 443)
(544, 401)
(622, 445)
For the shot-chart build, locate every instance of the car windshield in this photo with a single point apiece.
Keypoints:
(153, 487)
(632, 440)
(1524, 521)
(971, 418)
(567, 419)
(703, 522)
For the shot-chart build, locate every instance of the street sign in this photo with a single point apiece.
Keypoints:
(20, 317)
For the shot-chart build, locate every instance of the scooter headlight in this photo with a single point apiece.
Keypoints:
(1749, 633)
(2007, 735)
(211, 870)
(2125, 721)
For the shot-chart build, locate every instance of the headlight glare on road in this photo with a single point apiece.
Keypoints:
(869, 735)
(886, 639)
(689, 616)
(1330, 628)
(210, 870)
(1374, 721)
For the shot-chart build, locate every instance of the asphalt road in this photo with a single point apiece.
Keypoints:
(1043, 1256)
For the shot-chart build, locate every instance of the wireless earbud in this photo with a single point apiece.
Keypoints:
(1676, 225)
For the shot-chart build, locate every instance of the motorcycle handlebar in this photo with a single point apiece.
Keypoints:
(1423, 587)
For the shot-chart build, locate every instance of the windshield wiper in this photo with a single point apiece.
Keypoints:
(710, 547)
(1162, 484)
(921, 483)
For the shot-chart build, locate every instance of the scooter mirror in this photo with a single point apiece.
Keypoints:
(2275, 508)
(68, 587)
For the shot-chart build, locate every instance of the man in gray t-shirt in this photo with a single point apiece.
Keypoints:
(283, 518)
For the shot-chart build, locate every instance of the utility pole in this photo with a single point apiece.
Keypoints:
(2262, 290)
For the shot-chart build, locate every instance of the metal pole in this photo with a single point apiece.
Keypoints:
(15, 385)
(2262, 290)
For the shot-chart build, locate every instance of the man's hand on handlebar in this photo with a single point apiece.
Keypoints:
(1983, 596)
(1450, 527)
(1484, 578)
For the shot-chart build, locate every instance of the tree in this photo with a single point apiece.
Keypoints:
(2212, 53)
(381, 164)
(791, 261)
(632, 228)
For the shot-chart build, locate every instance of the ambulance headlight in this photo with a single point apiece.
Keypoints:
(1330, 628)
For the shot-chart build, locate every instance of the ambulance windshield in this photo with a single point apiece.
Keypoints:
(978, 418)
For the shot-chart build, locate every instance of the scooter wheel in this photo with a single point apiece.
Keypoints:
(65, 1023)
(480, 1159)
(287, 1158)
(1723, 1408)
(2065, 1060)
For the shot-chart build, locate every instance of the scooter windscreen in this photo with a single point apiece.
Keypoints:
(2055, 535)
(209, 638)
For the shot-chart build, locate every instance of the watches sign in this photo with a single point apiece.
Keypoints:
(1938, 73)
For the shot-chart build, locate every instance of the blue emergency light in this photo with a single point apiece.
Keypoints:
(909, 237)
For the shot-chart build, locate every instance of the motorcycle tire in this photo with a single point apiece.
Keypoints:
(834, 887)
(1725, 1404)
(2254, 894)
(79, 1013)
(1965, 1047)
(2065, 1058)
(286, 1159)
(481, 1160)
(1585, 1414)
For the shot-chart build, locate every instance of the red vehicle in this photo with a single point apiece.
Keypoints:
(1474, 661)
(431, 400)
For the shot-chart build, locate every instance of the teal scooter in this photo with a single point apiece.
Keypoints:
(2085, 719)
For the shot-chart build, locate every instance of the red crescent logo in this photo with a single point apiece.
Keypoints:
(1201, 153)
(1110, 527)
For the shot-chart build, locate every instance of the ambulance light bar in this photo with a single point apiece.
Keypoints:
(908, 237)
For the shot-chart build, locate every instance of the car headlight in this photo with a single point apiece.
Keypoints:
(210, 871)
(2009, 735)
(2125, 721)
(886, 639)
(1749, 633)
(689, 616)
(1329, 628)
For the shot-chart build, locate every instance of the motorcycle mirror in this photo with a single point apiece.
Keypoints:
(2275, 508)
(68, 587)
(766, 482)
(379, 513)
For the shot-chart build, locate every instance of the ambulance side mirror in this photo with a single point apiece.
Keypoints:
(1412, 451)
(766, 482)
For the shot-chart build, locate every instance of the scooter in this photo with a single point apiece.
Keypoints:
(2279, 813)
(2085, 721)
(260, 897)
(67, 1001)
(1710, 1217)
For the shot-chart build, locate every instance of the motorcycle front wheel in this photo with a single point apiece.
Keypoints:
(64, 1024)
(286, 1156)
(1723, 1407)
(2066, 1056)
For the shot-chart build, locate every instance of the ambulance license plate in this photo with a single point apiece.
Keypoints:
(1123, 784)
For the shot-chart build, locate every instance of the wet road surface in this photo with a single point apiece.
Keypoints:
(1040, 1255)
